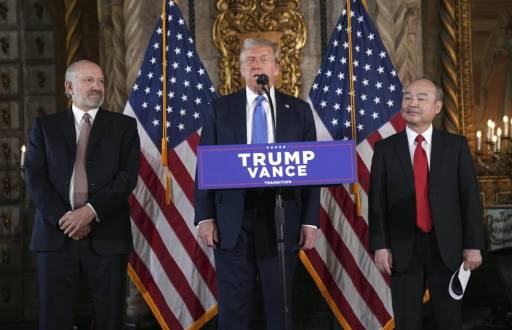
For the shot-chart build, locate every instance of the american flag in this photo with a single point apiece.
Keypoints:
(341, 263)
(174, 273)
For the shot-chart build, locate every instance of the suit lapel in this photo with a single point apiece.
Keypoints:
(402, 150)
(99, 126)
(238, 115)
(436, 155)
(67, 126)
(281, 116)
(284, 115)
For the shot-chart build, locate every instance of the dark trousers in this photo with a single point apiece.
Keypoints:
(59, 276)
(426, 270)
(237, 274)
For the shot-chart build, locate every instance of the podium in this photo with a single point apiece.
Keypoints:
(276, 166)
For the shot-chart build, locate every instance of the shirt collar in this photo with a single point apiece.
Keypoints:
(79, 113)
(411, 135)
(251, 96)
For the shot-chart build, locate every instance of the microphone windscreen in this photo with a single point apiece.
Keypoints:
(262, 79)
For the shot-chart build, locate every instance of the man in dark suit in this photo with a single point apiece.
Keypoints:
(424, 209)
(81, 166)
(240, 223)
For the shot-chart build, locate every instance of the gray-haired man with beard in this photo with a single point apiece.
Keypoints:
(81, 166)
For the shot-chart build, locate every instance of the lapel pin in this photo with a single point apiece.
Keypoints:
(286, 106)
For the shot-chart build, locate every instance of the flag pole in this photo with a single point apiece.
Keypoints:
(165, 162)
(352, 94)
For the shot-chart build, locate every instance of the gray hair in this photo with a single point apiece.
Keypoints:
(259, 42)
(72, 68)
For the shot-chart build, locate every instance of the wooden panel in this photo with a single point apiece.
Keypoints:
(8, 12)
(11, 298)
(10, 222)
(40, 79)
(9, 115)
(39, 45)
(9, 45)
(10, 152)
(9, 79)
(10, 186)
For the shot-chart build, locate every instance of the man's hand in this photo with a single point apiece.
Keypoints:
(74, 222)
(82, 233)
(207, 232)
(472, 259)
(307, 237)
(384, 260)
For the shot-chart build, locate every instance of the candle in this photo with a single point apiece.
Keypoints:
(22, 160)
(494, 139)
(505, 125)
(478, 141)
(493, 125)
(498, 143)
(489, 124)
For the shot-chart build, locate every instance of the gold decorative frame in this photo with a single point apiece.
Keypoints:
(457, 82)
(239, 19)
(456, 72)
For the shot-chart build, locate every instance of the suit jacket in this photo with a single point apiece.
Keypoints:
(112, 166)
(454, 199)
(228, 125)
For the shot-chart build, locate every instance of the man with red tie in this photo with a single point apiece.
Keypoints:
(424, 211)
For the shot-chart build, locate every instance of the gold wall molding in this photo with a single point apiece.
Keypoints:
(237, 19)
(456, 68)
(450, 56)
(466, 99)
(113, 51)
(72, 17)
(399, 25)
(119, 94)
(133, 35)
(106, 48)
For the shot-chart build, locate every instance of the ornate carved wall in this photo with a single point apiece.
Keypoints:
(399, 25)
(237, 18)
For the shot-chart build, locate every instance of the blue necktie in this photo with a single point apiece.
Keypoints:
(259, 122)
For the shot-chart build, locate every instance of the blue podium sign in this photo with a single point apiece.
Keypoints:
(276, 164)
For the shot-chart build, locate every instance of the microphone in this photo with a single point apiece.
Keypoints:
(262, 79)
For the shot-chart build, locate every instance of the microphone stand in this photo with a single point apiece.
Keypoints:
(278, 216)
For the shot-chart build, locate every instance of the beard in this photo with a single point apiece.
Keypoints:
(90, 100)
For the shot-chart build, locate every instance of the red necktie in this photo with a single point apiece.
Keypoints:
(423, 219)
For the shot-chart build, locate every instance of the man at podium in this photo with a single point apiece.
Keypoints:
(238, 223)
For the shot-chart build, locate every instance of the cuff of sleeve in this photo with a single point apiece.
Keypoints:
(312, 226)
(200, 222)
(95, 214)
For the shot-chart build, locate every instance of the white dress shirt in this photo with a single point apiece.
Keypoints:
(426, 145)
(249, 111)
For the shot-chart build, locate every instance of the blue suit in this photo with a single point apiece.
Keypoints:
(244, 218)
